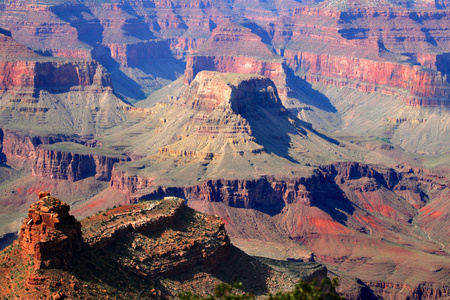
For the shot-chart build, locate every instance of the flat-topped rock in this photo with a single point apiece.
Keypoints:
(239, 92)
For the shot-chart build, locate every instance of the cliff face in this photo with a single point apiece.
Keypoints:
(339, 204)
(18, 145)
(276, 70)
(370, 75)
(54, 76)
(50, 234)
(387, 61)
(132, 55)
(54, 163)
(55, 94)
(392, 39)
(236, 49)
(72, 166)
(272, 192)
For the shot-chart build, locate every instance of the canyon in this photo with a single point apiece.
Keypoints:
(229, 147)
(408, 42)
(315, 130)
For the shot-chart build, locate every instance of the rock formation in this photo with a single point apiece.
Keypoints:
(50, 234)
(236, 49)
(135, 245)
(60, 164)
(22, 68)
(394, 52)
(48, 93)
(170, 255)
(357, 33)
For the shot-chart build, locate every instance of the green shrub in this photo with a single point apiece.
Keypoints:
(301, 291)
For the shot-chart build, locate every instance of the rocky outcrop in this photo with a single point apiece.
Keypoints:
(138, 243)
(50, 234)
(59, 164)
(167, 254)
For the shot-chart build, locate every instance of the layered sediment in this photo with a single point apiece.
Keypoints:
(60, 164)
(50, 234)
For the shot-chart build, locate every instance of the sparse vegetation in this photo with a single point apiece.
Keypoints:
(385, 140)
(302, 291)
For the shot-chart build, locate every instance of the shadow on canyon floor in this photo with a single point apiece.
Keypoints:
(316, 99)
(331, 199)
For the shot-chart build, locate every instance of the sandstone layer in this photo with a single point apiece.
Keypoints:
(50, 234)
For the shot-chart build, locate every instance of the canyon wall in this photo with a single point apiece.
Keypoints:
(369, 48)
(132, 55)
(426, 86)
(340, 204)
(266, 191)
(54, 76)
(70, 166)
(21, 68)
(54, 163)
(275, 70)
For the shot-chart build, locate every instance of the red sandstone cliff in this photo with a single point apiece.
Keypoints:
(367, 53)
(57, 163)
(50, 234)
(236, 49)
(22, 68)
(60, 164)
(372, 48)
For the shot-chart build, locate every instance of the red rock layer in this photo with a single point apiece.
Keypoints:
(384, 47)
(50, 234)
(52, 75)
(57, 164)
(236, 49)
(22, 68)
(72, 166)
(275, 70)
(427, 87)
